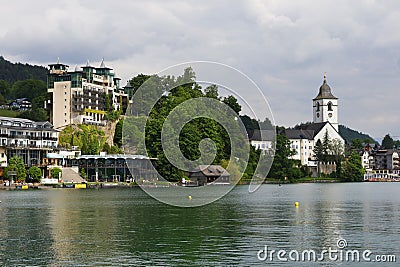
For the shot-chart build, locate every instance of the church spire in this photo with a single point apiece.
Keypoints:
(325, 91)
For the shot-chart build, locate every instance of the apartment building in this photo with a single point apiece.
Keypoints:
(83, 95)
(27, 139)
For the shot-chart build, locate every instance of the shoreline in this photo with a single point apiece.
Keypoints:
(163, 185)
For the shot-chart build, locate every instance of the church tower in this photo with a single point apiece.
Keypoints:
(325, 106)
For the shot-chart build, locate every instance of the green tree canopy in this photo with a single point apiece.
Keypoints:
(352, 170)
(55, 173)
(28, 88)
(4, 88)
(232, 102)
(36, 114)
(388, 142)
(282, 165)
(16, 164)
(356, 144)
(35, 174)
(135, 83)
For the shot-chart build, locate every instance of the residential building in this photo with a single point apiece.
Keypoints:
(386, 159)
(83, 95)
(27, 139)
(21, 104)
(262, 139)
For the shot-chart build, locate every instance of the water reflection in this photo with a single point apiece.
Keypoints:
(25, 235)
(113, 227)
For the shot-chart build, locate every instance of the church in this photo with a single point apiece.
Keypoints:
(325, 120)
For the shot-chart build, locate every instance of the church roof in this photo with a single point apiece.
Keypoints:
(325, 91)
(299, 134)
(262, 135)
(305, 131)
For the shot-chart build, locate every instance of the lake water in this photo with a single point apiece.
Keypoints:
(125, 227)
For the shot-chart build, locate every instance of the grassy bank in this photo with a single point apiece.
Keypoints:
(8, 113)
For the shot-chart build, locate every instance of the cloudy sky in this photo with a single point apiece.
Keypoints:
(284, 46)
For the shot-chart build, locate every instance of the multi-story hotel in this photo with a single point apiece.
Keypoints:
(83, 95)
(27, 139)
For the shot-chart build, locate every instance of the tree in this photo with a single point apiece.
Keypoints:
(356, 144)
(337, 149)
(326, 147)
(319, 155)
(38, 114)
(352, 169)
(397, 144)
(211, 91)
(28, 88)
(234, 171)
(135, 83)
(83, 174)
(387, 142)
(118, 133)
(2, 100)
(232, 102)
(282, 165)
(55, 173)
(35, 174)
(4, 88)
(16, 164)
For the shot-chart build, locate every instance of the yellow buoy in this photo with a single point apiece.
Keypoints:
(190, 197)
(296, 204)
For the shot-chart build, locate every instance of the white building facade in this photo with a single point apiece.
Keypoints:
(83, 95)
(27, 139)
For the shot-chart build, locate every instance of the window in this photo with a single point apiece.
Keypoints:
(330, 106)
(318, 106)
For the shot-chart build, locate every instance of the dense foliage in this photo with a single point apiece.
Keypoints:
(35, 174)
(56, 173)
(12, 72)
(191, 134)
(89, 139)
(349, 135)
(387, 142)
(195, 130)
(15, 164)
(352, 169)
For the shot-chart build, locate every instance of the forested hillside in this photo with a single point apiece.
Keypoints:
(19, 80)
(349, 135)
(12, 72)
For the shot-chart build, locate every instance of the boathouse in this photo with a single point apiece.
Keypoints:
(206, 174)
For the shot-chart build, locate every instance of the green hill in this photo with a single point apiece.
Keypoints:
(350, 134)
(12, 72)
